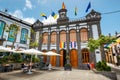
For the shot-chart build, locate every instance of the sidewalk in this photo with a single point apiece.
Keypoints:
(113, 66)
(60, 74)
(116, 69)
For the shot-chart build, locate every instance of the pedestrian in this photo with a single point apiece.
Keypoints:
(88, 65)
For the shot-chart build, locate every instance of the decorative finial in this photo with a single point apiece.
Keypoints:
(6, 10)
(63, 5)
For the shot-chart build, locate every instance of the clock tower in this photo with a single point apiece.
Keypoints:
(62, 15)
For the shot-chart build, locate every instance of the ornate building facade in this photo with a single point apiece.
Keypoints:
(69, 38)
(113, 51)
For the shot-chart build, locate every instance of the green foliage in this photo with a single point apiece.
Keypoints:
(17, 57)
(94, 44)
(34, 44)
(102, 66)
(67, 57)
(12, 27)
(105, 39)
(67, 65)
(34, 59)
(32, 31)
(5, 59)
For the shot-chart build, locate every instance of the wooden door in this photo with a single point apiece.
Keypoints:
(61, 58)
(44, 57)
(74, 58)
(53, 59)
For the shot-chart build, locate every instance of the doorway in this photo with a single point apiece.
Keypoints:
(63, 57)
(74, 58)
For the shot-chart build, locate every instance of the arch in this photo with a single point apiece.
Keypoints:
(63, 57)
(85, 55)
(53, 37)
(44, 57)
(2, 27)
(74, 58)
(45, 38)
(53, 58)
(63, 36)
(23, 38)
(84, 34)
(72, 35)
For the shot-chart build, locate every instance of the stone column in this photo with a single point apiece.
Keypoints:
(68, 43)
(48, 45)
(90, 35)
(79, 49)
(40, 40)
(57, 47)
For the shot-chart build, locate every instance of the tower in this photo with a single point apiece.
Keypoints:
(62, 15)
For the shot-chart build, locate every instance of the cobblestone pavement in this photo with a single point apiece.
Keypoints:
(58, 74)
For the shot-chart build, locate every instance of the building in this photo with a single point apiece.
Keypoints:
(113, 51)
(69, 38)
(9, 38)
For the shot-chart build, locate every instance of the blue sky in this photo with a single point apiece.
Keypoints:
(29, 10)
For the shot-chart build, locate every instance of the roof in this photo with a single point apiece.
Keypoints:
(14, 18)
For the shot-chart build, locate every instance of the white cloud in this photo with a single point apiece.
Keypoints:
(30, 20)
(49, 20)
(19, 14)
(28, 4)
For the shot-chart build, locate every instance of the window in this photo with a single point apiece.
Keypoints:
(2, 25)
(45, 38)
(84, 35)
(72, 35)
(53, 37)
(23, 38)
(12, 33)
(85, 55)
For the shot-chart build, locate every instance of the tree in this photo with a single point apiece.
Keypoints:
(13, 30)
(99, 43)
(33, 43)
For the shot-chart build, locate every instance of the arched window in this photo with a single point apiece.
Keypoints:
(62, 39)
(63, 36)
(2, 25)
(72, 35)
(83, 35)
(45, 38)
(53, 37)
(23, 38)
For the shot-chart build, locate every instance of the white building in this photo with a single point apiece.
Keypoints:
(6, 39)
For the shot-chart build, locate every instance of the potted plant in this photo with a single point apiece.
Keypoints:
(68, 67)
(102, 68)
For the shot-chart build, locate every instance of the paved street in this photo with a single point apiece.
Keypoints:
(116, 69)
(58, 74)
